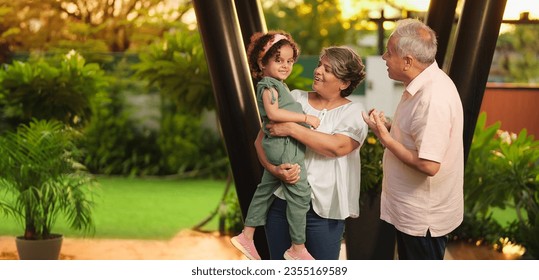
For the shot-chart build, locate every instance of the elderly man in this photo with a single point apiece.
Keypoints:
(423, 164)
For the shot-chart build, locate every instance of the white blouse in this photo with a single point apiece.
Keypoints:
(335, 181)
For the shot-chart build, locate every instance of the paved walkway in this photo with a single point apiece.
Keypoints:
(187, 245)
(193, 245)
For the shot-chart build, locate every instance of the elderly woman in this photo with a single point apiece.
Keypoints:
(332, 156)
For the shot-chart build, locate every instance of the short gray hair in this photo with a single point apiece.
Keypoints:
(416, 39)
(346, 65)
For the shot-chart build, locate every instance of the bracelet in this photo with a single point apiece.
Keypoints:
(305, 117)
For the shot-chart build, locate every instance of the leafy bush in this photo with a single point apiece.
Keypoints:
(230, 219)
(121, 138)
(45, 89)
(191, 150)
(371, 154)
(502, 172)
(114, 145)
(177, 66)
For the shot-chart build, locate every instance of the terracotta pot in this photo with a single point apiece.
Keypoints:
(47, 249)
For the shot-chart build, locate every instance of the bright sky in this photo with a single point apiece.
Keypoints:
(513, 8)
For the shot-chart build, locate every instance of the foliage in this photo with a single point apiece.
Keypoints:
(187, 147)
(502, 172)
(516, 58)
(143, 208)
(93, 51)
(115, 146)
(177, 66)
(230, 218)
(9, 30)
(296, 81)
(314, 24)
(317, 24)
(371, 154)
(121, 137)
(40, 179)
(191, 150)
(45, 89)
(137, 132)
(479, 229)
(121, 25)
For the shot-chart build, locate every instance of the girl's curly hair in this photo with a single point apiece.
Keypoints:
(256, 47)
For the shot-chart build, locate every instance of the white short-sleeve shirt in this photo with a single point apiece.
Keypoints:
(335, 182)
(431, 123)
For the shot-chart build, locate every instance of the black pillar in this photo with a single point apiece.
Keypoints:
(234, 95)
(477, 33)
(251, 19)
(440, 17)
(381, 33)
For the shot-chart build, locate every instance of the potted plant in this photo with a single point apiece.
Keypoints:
(40, 179)
(368, 237)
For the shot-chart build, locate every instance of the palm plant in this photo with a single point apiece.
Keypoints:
(40, 179)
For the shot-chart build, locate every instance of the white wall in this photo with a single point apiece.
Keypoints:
(381, 92)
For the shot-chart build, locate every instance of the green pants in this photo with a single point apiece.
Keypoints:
(298, 196)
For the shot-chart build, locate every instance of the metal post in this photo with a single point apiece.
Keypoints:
(251, 18)
(234, 95)
(381, 35)
(477, 33)
(440, 17)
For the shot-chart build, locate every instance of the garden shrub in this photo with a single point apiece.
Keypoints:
(57, 88)
(502, 172)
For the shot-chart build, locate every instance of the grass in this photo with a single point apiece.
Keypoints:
(143, 208)
(128, 208)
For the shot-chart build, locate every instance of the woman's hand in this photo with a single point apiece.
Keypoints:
(286, 172)
(280, 129)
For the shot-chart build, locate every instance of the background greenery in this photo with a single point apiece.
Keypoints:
(502, 176)
(137, 88)
(133, 208)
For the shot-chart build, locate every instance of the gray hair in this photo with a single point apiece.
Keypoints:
(346, 66)
(416, 39)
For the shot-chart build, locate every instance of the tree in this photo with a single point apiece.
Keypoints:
(115, 22)
(12, 29)
(516, 58)
(313, 24)
(317, 24)
(120, 25)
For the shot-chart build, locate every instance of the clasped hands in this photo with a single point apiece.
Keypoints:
(377, 122)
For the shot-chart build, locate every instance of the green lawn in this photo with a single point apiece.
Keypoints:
(144, 208)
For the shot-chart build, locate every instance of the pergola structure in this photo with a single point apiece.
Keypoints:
(226, 26)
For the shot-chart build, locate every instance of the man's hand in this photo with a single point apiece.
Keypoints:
(378, 124)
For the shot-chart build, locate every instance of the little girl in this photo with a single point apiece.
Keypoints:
(271, 57)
